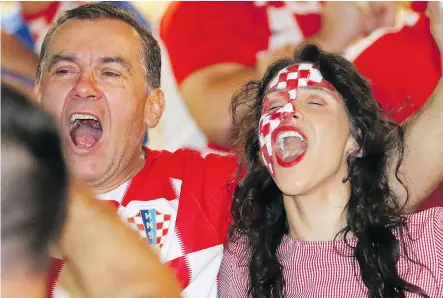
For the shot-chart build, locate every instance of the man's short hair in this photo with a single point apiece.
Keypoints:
(96, 11)
(33, 185)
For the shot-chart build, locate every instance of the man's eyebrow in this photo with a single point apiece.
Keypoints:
(106, 60)
(118, 60)
(60, 57)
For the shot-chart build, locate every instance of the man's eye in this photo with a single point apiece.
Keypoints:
(111, 74)
(61, 71)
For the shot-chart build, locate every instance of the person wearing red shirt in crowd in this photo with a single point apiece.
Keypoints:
(99, 76)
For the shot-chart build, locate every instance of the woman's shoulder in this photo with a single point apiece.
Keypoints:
(431, 216)
(238, 244)
(426, 226)
(238, 250)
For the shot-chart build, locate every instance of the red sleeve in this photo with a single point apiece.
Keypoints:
(408, 69)
(209, 182)
(200, 34)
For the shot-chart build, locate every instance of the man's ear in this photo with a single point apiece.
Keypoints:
(154, 107)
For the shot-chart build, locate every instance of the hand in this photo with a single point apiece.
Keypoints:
(344, 22)
(435, 11)
(384, 13)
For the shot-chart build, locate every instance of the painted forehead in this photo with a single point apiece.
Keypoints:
(298, 75)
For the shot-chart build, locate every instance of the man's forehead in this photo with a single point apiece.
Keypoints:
(102, 36)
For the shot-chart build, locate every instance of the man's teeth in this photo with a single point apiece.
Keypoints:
(82, 117)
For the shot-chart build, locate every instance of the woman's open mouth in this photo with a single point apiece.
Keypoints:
(290, 145)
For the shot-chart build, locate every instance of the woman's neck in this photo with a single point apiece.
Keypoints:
(318, 215)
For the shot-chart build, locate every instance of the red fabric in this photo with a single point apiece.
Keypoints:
(324, 268)
(408, 69)
(217, 148)
(55, 268)
(48, 13)
(200, 34)
(419, 6)
(194, 194)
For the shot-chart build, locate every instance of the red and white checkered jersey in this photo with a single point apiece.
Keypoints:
(323, 269)
(179, 202)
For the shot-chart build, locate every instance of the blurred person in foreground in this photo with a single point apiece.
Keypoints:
(40, 200)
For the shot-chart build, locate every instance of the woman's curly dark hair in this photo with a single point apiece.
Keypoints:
(373, 213)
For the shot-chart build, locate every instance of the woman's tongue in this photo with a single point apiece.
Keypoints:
(86, 136)
(290, 148)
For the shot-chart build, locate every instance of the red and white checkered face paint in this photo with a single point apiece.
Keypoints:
(289, 80)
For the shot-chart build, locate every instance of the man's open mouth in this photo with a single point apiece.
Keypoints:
(85, 130)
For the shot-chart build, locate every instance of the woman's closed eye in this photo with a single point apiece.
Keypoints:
(315, 102)
(273, 108)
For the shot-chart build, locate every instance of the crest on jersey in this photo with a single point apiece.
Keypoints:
(151, 224)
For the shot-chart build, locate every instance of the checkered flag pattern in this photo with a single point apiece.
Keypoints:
(136, 223)
(288, 79)
(269, 122)
(298, 75)
(162, 223)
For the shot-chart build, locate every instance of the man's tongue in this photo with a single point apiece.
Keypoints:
(86, 133)
(290, 148)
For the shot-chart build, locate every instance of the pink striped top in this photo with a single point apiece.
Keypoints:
(315, 269)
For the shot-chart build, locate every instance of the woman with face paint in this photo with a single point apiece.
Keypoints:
(314, 214)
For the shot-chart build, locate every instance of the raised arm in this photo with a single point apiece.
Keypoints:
(422, 167)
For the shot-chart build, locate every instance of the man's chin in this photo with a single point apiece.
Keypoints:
(87, 172)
